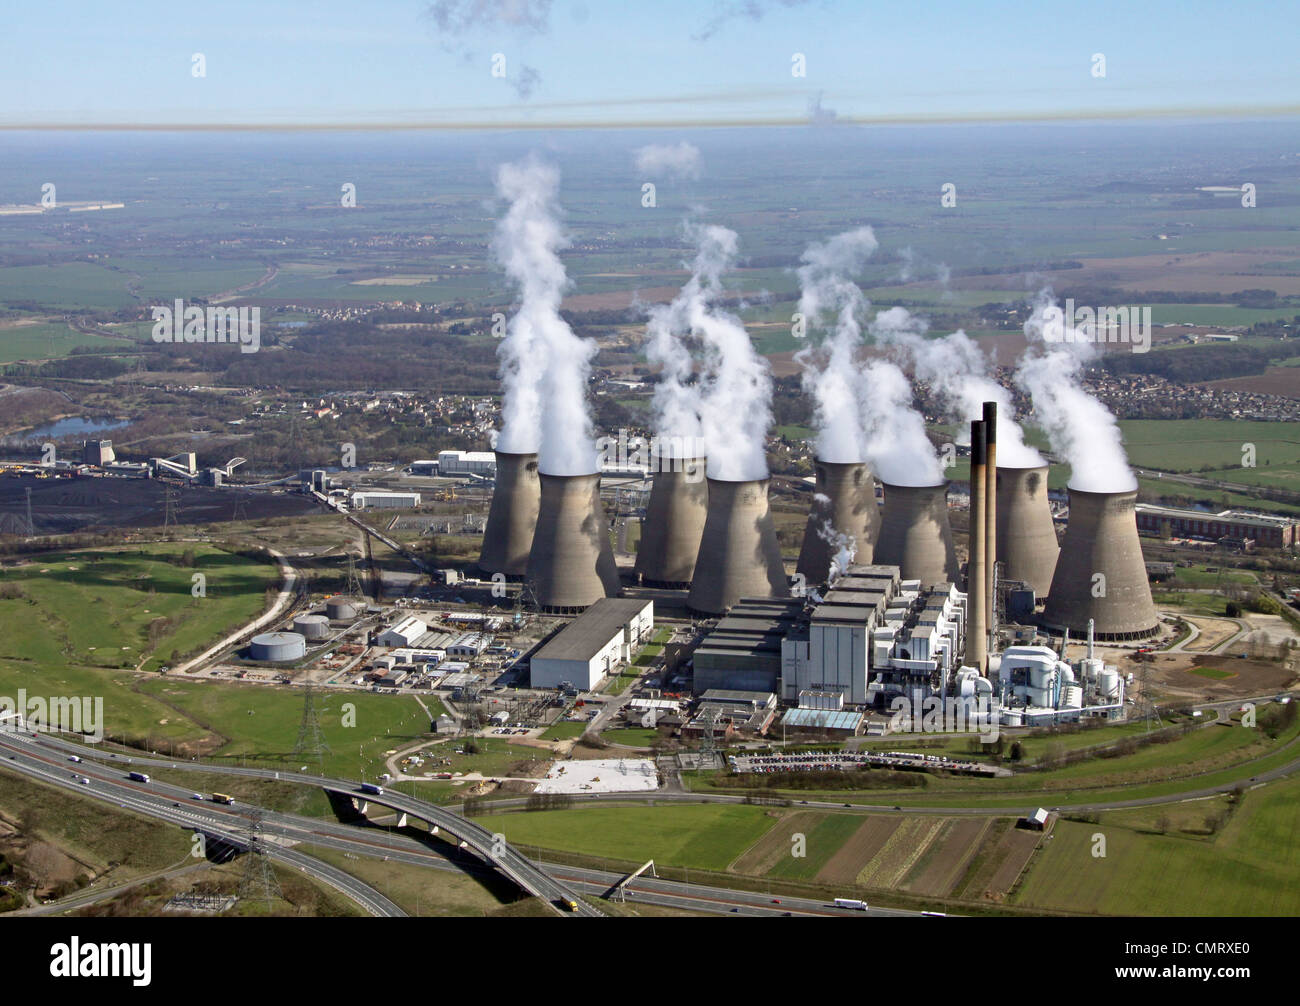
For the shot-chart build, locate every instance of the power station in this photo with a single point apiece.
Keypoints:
(674, 523)
(512, 517)
(1100, 577)
(739, 555)
(844, 514)
(915, 534)
(571, 563)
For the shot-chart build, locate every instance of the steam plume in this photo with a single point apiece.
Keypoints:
(956, 368)
(544, 366)
(1080, 428)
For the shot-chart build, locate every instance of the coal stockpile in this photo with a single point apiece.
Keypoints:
(66, 505)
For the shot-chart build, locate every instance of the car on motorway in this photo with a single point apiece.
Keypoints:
(73, 758)
(196, 796)
(85, 781)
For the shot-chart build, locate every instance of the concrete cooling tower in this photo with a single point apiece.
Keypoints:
(739, 554)
(571, 565)
(1100, 574)
(915, 534)
(508, 537)
(852, 512)
(1026, 536)
(674, 523)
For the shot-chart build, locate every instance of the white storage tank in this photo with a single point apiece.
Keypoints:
(278, 646)
(312, 626)
(1108, 684)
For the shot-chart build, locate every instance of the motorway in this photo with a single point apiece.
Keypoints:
(512, 863)
(45, 759)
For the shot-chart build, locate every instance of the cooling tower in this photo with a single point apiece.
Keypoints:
(852, 512)
(1026, 536)
(508, 537)
(1101, 574)
(739, 554)
(915, 534)
(674, 523)
(571, 565)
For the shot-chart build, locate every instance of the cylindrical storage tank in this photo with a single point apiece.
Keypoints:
(1026, 536)
(512, 517)
(739, 553)
(915, 534)
(571, 565)
(674, 523)
(850, 511)
(312, 626)
(278, 646)
(1101, 574)
(1108, 684)
(341, 609)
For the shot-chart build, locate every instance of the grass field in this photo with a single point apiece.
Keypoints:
(1218, 447)
(46, 340)
(96, 608)
(704, 836)
(563, 730)
(1248, 868)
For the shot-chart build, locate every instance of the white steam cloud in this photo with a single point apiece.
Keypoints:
(544, 365)
(898, 449)
(1080, 428)
(730, 405)
(830, 376)
(956, 369)
(669, 161)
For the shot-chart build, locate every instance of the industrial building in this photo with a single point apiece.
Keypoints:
(384, 501)
(1232, 526)
(466, 463)
(594, 644)
(97, 452)
(468, 644)
(743, 651)
(405, 633)
(725, 711)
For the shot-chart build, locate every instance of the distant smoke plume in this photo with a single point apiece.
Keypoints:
(725, 11)
(663, 160)
(732, 401)
(829, 297)
(957, 370)
(456, 19)
(544, 366)
(1080, 428)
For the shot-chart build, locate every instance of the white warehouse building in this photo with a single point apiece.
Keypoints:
(467, 463)
(404, 633)
(384, 501)
(594, 644)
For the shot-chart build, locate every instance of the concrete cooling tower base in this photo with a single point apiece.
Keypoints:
(673, 524)
(512, 517)
(915, 534)
(851, 512)
(1026, 535)
(571, 565)
(1101, 574)
(739, 554)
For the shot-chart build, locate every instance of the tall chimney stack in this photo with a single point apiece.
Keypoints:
(674, 522)
(739, 553)
(512, 517)
(976, 578)
(571, 565)
(851, 511)
(991, 519)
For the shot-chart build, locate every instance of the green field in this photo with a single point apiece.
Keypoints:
(703, 836)
(1248, 868)
(1216, 448)
(563, 730)
(96, 608)
(47, 340)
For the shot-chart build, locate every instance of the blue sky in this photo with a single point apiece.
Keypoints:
(668, 62)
